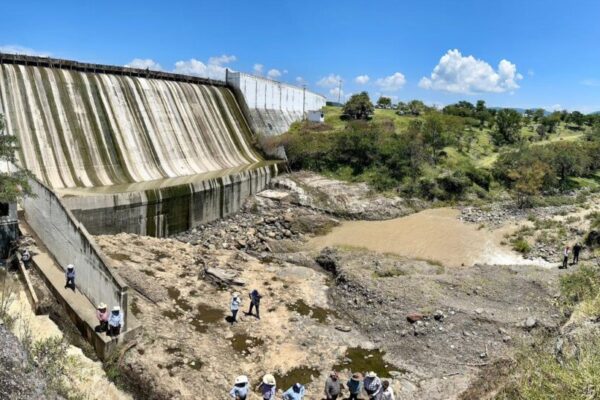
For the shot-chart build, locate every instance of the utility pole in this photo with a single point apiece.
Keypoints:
(304, 101)
(340, 91)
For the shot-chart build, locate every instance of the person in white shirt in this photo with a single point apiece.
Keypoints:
(388, 392)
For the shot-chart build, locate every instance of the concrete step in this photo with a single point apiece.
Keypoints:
(80, 309)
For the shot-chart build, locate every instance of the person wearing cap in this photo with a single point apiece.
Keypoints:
(267, 387)
(115, 321)
(296, 392)
(333, 387)
(387, 393)
(70, 275)
(240, 388)
(255, 302)
(372, 385)
(102, 315)
(235, 306)
(355, 385)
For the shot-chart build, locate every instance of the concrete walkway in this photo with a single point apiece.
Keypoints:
(81, 311)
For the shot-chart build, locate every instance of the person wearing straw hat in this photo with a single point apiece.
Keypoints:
(70, 276)
(115, 321)
(355, 385)
(372, 385)
(102, 315)
(333, 386)
(240, 388)
(268, 387)
(235, 306)
(296, 392)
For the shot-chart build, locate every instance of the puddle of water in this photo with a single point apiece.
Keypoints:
(315, 312)
(358, 359)
(242, 342)
(135, 309)
(172, 314)
(434, 234)
(206, 316)
(175, 294)
(195, 364)
(119, 256)
(302, 375)
(173, 350)
(148, 272)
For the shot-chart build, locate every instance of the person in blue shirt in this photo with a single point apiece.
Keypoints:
(296, 392)
(115, 321)
(70, 275)
(255, 302)
(355, 385)
(240, 388)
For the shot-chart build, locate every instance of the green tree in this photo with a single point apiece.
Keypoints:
(527, 181)
(577, 118)
(13, 184)
(482, 114)
(440, 131)
(384, 102)
(508, 125)
(359, 106)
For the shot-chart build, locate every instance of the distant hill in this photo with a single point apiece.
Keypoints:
(519, 110)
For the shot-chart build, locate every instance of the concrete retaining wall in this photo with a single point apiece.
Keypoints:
(70, 243)
(270, 106)
(167, 210)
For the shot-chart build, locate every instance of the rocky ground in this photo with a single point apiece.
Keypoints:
(19, 379)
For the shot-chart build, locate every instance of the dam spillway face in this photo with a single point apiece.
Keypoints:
(131, 153)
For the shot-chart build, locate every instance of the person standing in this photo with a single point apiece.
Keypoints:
(102, 316)
(240, 388)
(296, 392)
(235, 306)
(255, 302)
(115, 322)
(355, 385)
(565, 257)
(268, 387)
(333, 387)
(576, 251)
(70, 276)
(372, 385)
(26, 258)
(387, 391)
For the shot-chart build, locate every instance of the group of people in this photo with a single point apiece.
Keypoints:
(236, 303)
(109, 322)
(576, 250)
(371, 385)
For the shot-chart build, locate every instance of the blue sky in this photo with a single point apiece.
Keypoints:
(509, 53)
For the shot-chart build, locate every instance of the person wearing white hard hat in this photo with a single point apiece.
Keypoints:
(115, 321)
(235, 306)
(372, 385)
(102, 316)
(70, 275)
(240, 388)
(268, 387)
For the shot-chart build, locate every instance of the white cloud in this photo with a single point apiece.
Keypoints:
(214, 69)
(258, 69)
(222, 59)
(300, 80)
(591, 82)
(555, 107)
(274, 73)
(362, 79)
(391, 83)
(335, 93)
(144, 63)
(530, 72)
(16, 49)
(457, 74)
(330, 80)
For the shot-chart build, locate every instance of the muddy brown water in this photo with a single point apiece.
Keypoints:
(206, 316)
(435, 234)
(318, 313)
(302, 375)
(242, 342)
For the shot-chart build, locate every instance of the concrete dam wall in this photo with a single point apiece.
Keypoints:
(272, 106)
(80, 129)
(131, 150)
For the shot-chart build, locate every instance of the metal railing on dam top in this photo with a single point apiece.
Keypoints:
(19, 59)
